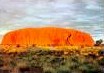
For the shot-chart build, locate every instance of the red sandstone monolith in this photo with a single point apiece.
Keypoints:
(48, 36)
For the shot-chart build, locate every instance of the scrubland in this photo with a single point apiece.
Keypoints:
(60, 59)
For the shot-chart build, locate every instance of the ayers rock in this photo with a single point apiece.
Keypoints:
(48, 36)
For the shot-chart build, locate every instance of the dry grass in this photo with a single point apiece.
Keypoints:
(60, 59)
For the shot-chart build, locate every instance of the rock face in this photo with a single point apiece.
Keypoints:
(48, 36)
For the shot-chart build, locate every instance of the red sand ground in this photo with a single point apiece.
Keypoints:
(48, 36)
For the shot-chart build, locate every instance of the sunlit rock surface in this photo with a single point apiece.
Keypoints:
(48, 36)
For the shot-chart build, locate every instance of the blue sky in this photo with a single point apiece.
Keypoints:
(86, 15)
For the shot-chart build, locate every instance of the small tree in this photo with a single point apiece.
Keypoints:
(99, 42)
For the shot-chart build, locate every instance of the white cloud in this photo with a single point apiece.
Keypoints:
(93, 7)
(2, 32)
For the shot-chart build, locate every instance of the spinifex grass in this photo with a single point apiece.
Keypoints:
(62, 60)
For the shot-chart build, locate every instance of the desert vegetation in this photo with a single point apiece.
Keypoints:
(51, 60)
